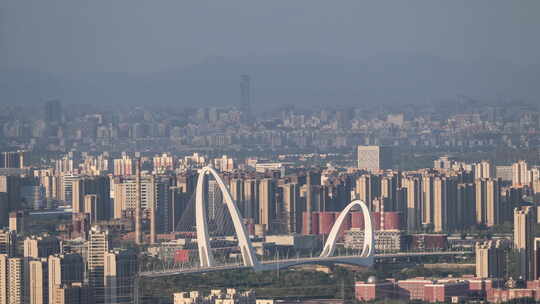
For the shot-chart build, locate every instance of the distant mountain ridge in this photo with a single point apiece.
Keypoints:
(299, 79)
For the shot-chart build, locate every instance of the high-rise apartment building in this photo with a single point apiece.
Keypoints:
(41, 246)
(524, 225)
(292, 208)
(4, 209)
(74, 293)
(7, 242)
(64, 269)
(488, 201)
(12, 280)
(98, 186)
(38, 281)
(441, 216)
(120, 271)
(368, 187)
(490, 259)
(12, 159)
(520, 173)
(124, 166)
(484, 169)
(536, 254)
(267, 203)
(374, 158)
(11, 185)
(17, 222)
(413, 214)
(389, 188)
(251, 199)
(125, 194)
(427, 200)
(98, 245)
(465, 205)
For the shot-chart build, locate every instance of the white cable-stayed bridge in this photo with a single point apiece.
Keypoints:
(207, 262)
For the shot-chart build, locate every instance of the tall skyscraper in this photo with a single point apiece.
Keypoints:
(53, 111)
(374, 158)
(98, 245)
(524, 224)
(245, 97)
(120, 272)
(490, 259)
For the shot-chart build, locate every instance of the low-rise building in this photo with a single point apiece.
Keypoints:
(216, 296)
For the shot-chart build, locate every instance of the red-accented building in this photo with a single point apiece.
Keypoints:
(357, 220)
(391, 221)
(181, 256)
(499, 295)
(326, 221)
(415, 289)
(373, 290)
(412, 289)
(445, 291)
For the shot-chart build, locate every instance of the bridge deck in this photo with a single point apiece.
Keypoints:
(285, 263)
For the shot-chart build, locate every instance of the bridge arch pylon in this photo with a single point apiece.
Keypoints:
(203, 237)
(369, 239)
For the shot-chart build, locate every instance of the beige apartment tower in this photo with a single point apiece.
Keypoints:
(414, 202)
(267, 189)
(38, 284)
(490, 259)
(520, 174)
(12, 280)
(488, 201)
(524, 225)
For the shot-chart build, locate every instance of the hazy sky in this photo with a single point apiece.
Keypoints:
(152, 35)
